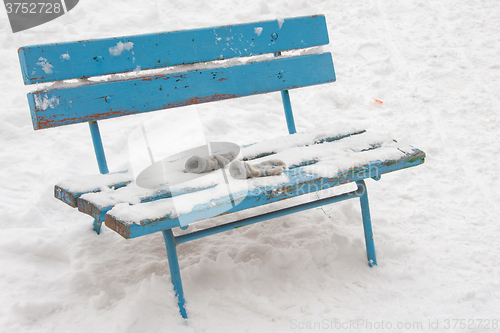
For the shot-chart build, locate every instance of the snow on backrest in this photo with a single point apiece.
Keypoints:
(83, 59)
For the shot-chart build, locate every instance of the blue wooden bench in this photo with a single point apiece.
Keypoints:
(348, 154)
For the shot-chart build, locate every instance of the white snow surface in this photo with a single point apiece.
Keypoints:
(46, 66)
(120, 47)
(433, 64)
(44, 102)
(88, 183)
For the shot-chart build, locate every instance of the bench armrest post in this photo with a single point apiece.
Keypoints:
(98, 148)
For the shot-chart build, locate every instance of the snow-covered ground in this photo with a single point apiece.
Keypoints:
(433, 64)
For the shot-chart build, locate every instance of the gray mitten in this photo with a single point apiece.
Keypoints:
(243, 170)
(198, 164)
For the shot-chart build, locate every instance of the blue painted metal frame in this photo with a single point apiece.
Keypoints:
(101, 160)
(367, 222)
(172, 241)
(98, 148)
(175, 273)
(287, 105)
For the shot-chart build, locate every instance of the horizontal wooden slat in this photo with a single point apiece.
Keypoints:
(300, 182)
(108, 99)
(98, 204)
(60, 61)
(69, 190)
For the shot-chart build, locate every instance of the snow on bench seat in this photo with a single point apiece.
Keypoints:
(312, 168)
(69, 190)
(331, 133)
(97, 203)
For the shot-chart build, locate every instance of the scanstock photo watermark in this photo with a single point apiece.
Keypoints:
(28, 14)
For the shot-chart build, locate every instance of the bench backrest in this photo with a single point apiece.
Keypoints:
(91, 100)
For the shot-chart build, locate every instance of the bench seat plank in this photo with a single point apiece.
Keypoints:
(108, 99)
(97, 203)
(269, 147)
(136, 220)
(61, 61)
(69, 190)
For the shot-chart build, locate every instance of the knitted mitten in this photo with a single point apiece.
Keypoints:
(243, 170)
(198, 164)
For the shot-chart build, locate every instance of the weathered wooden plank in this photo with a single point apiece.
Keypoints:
(88, 206)
(69, 190)
(91, 204)
(60, 61)
(269, 152)
(300, 183)
(71, 197)
(108, 99)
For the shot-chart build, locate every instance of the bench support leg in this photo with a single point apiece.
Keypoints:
(367, 223)
(99, 150)
(97, 226)
(287, 105)
(175, 273)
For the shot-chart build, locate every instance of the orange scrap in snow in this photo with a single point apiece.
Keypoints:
(378, 101)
